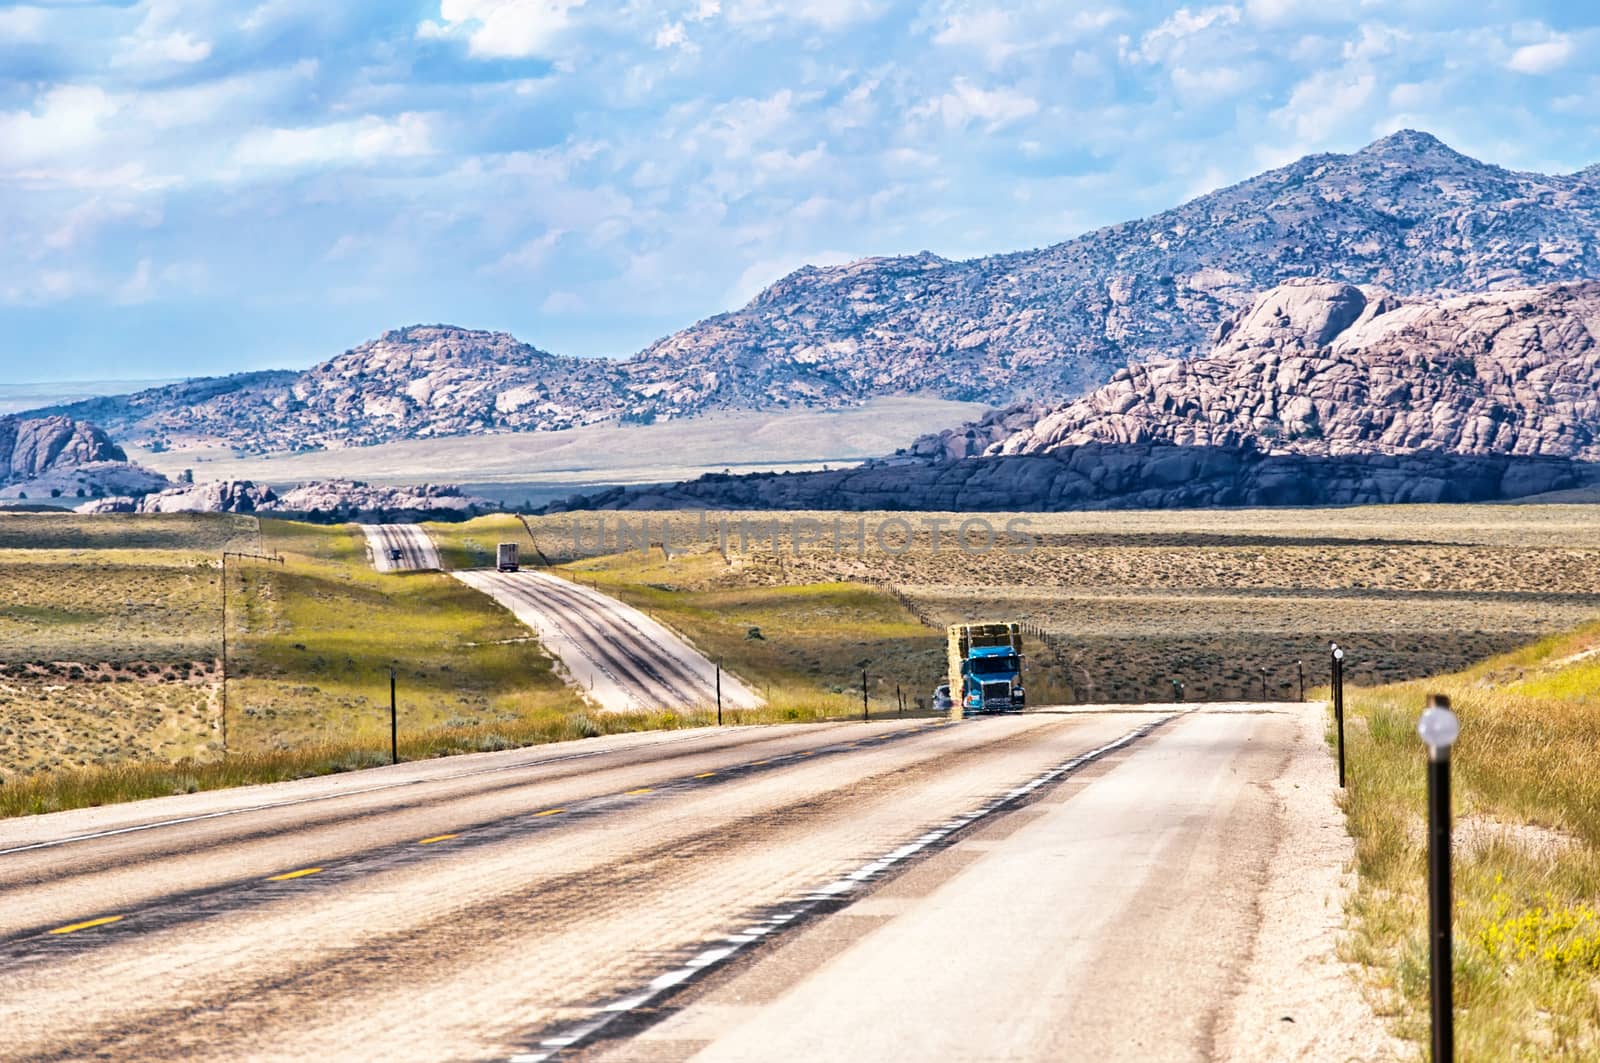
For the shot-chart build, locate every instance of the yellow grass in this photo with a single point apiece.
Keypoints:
(1527, 867)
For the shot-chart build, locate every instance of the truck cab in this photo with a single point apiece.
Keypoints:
(985, 666)
(991, 680)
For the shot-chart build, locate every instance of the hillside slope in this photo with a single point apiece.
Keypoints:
(1407, 213)
(1327, 369)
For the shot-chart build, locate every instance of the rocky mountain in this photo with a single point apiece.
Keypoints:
(1320, 393)
(43, 458)
(1327, 368)
(1406, 213)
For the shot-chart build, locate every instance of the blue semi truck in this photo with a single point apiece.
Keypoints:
(985, 667)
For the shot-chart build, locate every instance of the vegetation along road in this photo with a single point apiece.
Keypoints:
(674, 895)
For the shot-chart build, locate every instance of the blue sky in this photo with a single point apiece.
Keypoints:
(199, 186)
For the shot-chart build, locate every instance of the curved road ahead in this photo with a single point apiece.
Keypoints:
(1010, 888)
(619, 657)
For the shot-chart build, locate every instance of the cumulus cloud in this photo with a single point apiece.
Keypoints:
(1163, 41)
(160, 40)
(1325, 103)
(65, 121)
(505, 29)
(363, 140)
(23, 24)
(671, 35)
(1541, 58)
(967, 103)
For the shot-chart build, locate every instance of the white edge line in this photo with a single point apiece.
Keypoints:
(713, 957)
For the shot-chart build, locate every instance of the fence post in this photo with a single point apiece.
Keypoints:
(863, 695)
(1438, 729)
(1300, 670)
(1263, 684)
(719, 693)
(394, 722)
(899, 701)
(1338, 705)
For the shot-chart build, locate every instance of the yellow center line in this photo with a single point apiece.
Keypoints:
(302, 873)
(549, 812)
(75, 927)
(807, 753)
(438, 838)
(758, 763)
(705, 775)
(636, 793)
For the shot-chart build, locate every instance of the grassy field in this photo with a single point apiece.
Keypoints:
(1527, 850)
(111, 638)
(1209, 598)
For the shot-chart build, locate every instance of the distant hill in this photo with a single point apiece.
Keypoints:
(1406, 213)
(1320, 393)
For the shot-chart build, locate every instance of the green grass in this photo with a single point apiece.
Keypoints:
(314, 640)
(815, 638)
(1527, 867)
(473, 543)
(202, 532)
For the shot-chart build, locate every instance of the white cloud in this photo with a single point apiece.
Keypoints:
(46, 286)
(966, 103)
(148, 282)
(159, 41)
(671, 35)
(563, 303)
(65, 121)
(506, 29)
(999, 34)
(530, 256)
(363, 140)
(1541, 58)
(1163, 41)
(1324, 103)
(705, 10)
(22, 24)
(85, 220)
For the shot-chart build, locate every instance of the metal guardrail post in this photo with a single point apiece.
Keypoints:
(1338, 705)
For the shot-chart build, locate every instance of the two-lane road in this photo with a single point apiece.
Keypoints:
(802, 892)
(401, 548)
(619, 657)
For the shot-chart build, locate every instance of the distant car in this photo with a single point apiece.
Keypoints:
(941, 698)
(395, 553)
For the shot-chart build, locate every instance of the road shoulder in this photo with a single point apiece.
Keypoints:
(1298, 1000)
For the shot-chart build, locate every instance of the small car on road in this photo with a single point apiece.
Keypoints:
(941, 698)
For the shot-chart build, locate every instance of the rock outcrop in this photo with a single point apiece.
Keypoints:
(45, 459)
(37, 446)
(1406, 213)
(1329, 369)
(1116, 476)
(333, 501)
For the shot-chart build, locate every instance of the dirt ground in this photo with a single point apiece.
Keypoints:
(1135, 602)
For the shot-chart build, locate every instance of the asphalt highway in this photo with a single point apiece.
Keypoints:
(615, 655)
(800, 892)
(416, 551)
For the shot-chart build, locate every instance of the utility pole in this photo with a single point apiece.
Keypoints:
(274, 558)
